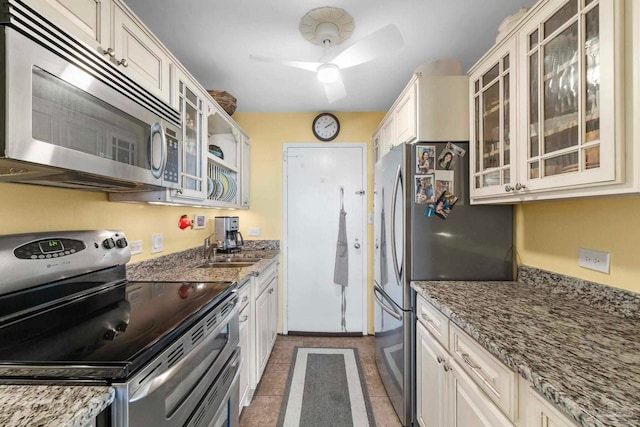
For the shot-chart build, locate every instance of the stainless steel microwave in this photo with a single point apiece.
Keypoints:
(71, 119)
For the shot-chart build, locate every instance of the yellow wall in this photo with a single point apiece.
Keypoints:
(268, 132)
(26, 208)
(548, 235)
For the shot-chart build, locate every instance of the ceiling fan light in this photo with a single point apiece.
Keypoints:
(328, 73)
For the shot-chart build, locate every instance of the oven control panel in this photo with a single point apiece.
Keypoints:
(33, 259)
(49, 248)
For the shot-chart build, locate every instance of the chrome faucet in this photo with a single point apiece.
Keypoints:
(210, 248)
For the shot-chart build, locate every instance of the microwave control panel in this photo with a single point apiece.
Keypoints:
(173, 160)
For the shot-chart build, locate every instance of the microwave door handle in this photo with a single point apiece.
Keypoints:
(394, 197)
(156, 128)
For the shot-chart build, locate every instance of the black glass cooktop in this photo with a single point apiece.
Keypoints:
(120, 326)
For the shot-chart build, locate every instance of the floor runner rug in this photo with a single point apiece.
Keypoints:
(326, 387)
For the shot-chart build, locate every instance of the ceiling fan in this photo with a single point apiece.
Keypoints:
(329, 27)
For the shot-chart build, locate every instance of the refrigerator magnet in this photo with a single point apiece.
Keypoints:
(444, 204)
(430, 210)
(455, 149)
(425, 189)
(425, 158)
(447, 159)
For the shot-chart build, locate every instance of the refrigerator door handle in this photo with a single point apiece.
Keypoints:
(394, 253)
(385, 307)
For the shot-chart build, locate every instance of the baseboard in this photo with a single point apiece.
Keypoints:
(326, 334)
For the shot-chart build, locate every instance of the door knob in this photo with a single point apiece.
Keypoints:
(356, 245)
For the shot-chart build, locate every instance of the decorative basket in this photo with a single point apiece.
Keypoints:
(225, 99)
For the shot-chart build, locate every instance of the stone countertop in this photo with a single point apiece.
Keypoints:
(183, 267)
(584, 359)
(52, 405)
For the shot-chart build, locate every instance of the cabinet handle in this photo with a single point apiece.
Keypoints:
(439, 359)
(123, 62)
(426, 319)
(520, 186)
(446, 367)
(468, 361)
(271, 290)
(244, 299)
(244, 319)
(109, 52)
(508, 188)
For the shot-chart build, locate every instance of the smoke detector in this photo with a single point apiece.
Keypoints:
(326, 26)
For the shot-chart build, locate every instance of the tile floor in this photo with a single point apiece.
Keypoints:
(267, 399)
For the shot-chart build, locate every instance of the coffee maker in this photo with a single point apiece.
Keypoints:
(227, 235)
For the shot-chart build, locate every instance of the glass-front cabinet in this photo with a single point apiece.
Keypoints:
(191, 107)
(492, 85)
(568, 59)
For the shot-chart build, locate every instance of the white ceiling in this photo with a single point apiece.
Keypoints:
(213, 40)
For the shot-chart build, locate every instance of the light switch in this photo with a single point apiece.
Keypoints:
(157, 243)
(254, 231)
(136, 247)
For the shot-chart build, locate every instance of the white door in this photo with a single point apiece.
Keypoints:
(313, 176)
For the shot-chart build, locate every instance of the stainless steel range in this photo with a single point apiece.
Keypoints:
(68, 315)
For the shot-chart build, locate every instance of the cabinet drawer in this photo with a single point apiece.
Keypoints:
(495, 378)
(435, 322)
(265, 278)
(243, 294)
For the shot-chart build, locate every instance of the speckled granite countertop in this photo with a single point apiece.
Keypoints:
(183, 267)
(52, 405)
(576, 342)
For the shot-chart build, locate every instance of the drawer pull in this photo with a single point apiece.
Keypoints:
(244, 299)
(466, 359)
(439, 359)
(446, 367)
(272, 290)
(427, 318)
(244, 319)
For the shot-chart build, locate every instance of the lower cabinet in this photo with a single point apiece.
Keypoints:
(266, 321)
(445, 394)
(460, 384)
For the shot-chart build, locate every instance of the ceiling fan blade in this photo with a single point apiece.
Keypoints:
(335, 90)
(303, 65)
(377, 44)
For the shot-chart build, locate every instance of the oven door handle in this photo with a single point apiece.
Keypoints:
(185, 365)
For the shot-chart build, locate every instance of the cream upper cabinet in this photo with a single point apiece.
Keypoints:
(560, 132)
(493, 122)
(86, 19)
(430, 108)
(405, 115)
(109, 28)
(570, 57)
(245, 171)
(138, 54)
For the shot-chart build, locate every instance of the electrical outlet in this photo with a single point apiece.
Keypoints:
(136, 247)
(254, 231)
(594, 260)
(157, 243)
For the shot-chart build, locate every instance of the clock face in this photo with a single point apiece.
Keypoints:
(326, 127)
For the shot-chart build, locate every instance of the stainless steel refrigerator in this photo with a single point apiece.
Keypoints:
(425, 229)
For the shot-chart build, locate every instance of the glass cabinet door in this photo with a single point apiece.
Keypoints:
(492, 86)
(568, 138)
(191, 107)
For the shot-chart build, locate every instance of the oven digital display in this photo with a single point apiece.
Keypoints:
(49, 246)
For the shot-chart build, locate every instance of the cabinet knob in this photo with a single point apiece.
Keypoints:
(123, 62)
(520, 186)
(508, 188)
(271, 290)
(109, 52)
(356, 245)
(446, 367)
(439, 359)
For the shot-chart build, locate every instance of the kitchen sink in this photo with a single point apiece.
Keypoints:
(230, 263)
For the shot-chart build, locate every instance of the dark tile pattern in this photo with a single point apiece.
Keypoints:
(52, 406)
(265, 406)
(585, 360)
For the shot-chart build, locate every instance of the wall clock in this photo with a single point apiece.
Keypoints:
(325, 127)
